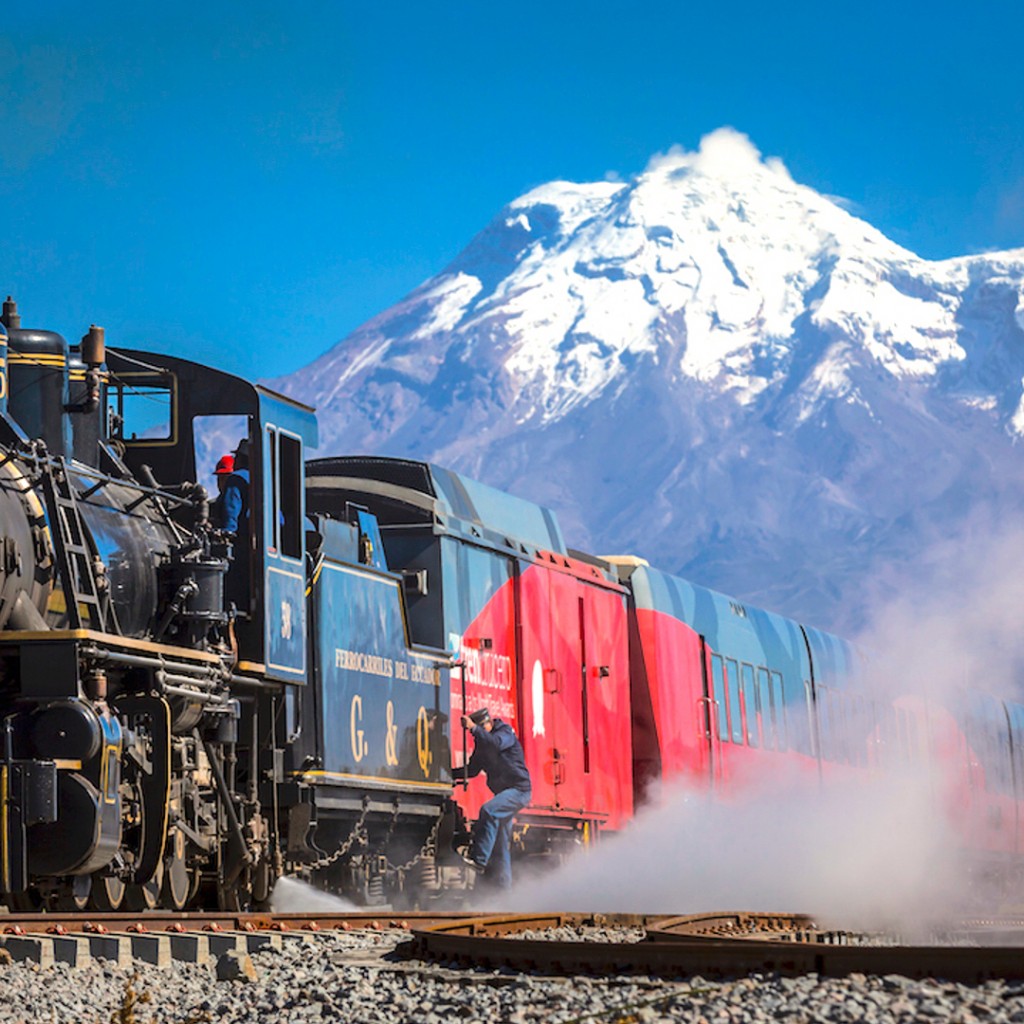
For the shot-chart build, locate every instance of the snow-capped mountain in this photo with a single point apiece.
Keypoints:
(711, 366)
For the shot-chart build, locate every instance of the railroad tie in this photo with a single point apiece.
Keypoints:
(46, 950)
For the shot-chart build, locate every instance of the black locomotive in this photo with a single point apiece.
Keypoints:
(162, 744)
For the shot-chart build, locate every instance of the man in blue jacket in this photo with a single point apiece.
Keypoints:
(234, 497)
(231, 511)
(498, 753)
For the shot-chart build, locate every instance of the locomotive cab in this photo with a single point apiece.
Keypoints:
(173, 419)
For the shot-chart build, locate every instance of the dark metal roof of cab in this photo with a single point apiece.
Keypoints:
(403, 492)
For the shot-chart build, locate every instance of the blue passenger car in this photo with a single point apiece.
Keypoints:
(757, 678)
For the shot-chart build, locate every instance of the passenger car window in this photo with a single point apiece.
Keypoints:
(718, 682)
(751, 701)
(735, 705)
(780, 710)
(764, 693)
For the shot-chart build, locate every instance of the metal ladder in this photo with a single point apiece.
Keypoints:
(76, 561)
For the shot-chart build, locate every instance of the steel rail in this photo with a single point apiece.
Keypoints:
(719, 945)
(198, 921)
(709, 945)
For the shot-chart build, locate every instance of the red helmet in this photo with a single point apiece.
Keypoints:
(225, 465)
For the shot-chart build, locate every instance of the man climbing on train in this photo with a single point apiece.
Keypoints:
(498, 753)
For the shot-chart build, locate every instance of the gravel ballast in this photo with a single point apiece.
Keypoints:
(355, 977)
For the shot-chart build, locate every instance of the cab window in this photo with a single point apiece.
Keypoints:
(285, 457)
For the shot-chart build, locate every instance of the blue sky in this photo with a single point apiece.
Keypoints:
(245, 183)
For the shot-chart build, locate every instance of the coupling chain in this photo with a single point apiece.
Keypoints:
(356, 833)
(385, 843)
(430, 841)
(382, 846)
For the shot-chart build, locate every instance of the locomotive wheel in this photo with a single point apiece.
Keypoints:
(179, 884)
(236, 897)
(232, 899)
(72, 902)
(108, 892)
(146, 896)
(263, 880)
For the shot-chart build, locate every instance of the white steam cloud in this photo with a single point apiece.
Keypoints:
(851, 855)
(874, 849)
(955, 622)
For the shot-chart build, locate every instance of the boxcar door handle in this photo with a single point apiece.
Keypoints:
(555, 676)
(710, 703)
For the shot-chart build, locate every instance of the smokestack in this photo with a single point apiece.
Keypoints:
(11, 317)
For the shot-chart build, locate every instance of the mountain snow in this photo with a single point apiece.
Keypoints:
(711, 366)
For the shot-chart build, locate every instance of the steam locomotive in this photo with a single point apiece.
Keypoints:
(189, 713)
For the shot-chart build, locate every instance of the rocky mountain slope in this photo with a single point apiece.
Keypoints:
(711, 366)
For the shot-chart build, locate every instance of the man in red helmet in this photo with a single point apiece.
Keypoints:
(225, 467)
(233, 483)
(231, 514)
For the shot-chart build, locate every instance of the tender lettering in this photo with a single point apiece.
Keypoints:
(386, 668)
(360, 661)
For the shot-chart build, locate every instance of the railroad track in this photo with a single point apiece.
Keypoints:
(159, 937)
(250, 921)
(723, 945)
(715, 945)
